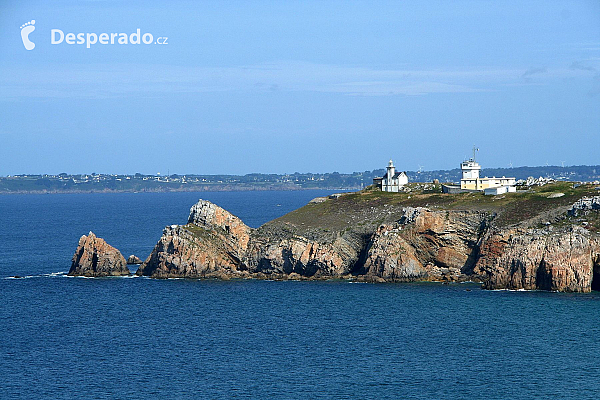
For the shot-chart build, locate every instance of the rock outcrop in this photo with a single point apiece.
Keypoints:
(190, 252)
(585, 204)
(227, 226)
(96, 258)
(412, 244)
(133, 260)
(426, 245)
(213, 243)
(536, 259)
(217, 243)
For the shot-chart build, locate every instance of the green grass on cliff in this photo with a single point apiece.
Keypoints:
(367, 209)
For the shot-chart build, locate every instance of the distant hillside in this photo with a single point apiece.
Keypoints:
(579, 173)
(66, 183)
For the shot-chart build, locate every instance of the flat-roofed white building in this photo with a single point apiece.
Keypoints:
(471, 181)
(492, 191)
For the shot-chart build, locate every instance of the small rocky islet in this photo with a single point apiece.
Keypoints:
(533, 239)
(96, 258)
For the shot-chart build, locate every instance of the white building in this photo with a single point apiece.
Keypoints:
(471, 180)
(492, 191)
(392, 181)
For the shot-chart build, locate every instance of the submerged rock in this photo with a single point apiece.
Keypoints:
(94, 258)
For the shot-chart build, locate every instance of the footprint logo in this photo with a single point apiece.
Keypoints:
(26, 29)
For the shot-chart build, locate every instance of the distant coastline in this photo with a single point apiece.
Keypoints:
(216, 188)
(119, 183)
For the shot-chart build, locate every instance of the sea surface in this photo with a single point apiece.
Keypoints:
(138, 338)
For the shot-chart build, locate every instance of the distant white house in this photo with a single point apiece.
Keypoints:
(392, 181)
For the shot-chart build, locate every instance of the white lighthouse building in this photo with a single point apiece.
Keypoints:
(392, 181)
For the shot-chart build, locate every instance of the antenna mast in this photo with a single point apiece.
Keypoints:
(474, 150)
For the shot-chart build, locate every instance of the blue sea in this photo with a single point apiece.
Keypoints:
(138, 338)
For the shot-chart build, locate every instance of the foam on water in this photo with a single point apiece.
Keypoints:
(50, 275)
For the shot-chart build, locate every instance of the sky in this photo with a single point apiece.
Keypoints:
(298, 86)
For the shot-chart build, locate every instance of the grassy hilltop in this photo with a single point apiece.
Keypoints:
(367, 209)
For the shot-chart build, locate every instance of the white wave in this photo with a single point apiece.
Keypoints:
(54, 274)
(21, 277)
(50, 275)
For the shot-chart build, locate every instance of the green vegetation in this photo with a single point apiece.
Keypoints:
(369, 208)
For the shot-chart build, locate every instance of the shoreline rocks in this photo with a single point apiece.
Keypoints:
(416, 244)
(96, 258)
(422, 245)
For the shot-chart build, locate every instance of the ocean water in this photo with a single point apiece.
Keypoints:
(138, 338)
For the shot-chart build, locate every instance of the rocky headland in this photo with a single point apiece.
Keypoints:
(96, 258)
(532, 239)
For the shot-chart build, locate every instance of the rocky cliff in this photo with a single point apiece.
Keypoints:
(529, 240)
(215, 243)
(95, 258)
(426, 245)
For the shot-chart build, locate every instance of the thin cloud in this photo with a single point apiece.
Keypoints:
(533, 71)
(581, 66)
(122, 80)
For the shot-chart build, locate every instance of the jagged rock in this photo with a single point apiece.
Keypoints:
(531, 181)
(426, 245)
(95, 258)
(181, 253)
(211, 217)
(423, 244)
(530, 259)
(585, 204)
(133, 260)
(390, 257)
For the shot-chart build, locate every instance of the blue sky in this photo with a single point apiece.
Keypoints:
(307, 86)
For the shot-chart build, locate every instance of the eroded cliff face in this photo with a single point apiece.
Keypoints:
(537, 259)
(229, 228)
(96, 258)
(299, 255)
(422, 244)
(392, 258)
(426, 245)
(216, 243)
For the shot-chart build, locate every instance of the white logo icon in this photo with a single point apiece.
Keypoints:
(26, 29)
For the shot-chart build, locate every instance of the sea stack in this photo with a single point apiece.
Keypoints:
(133, 260)
(96, 258)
